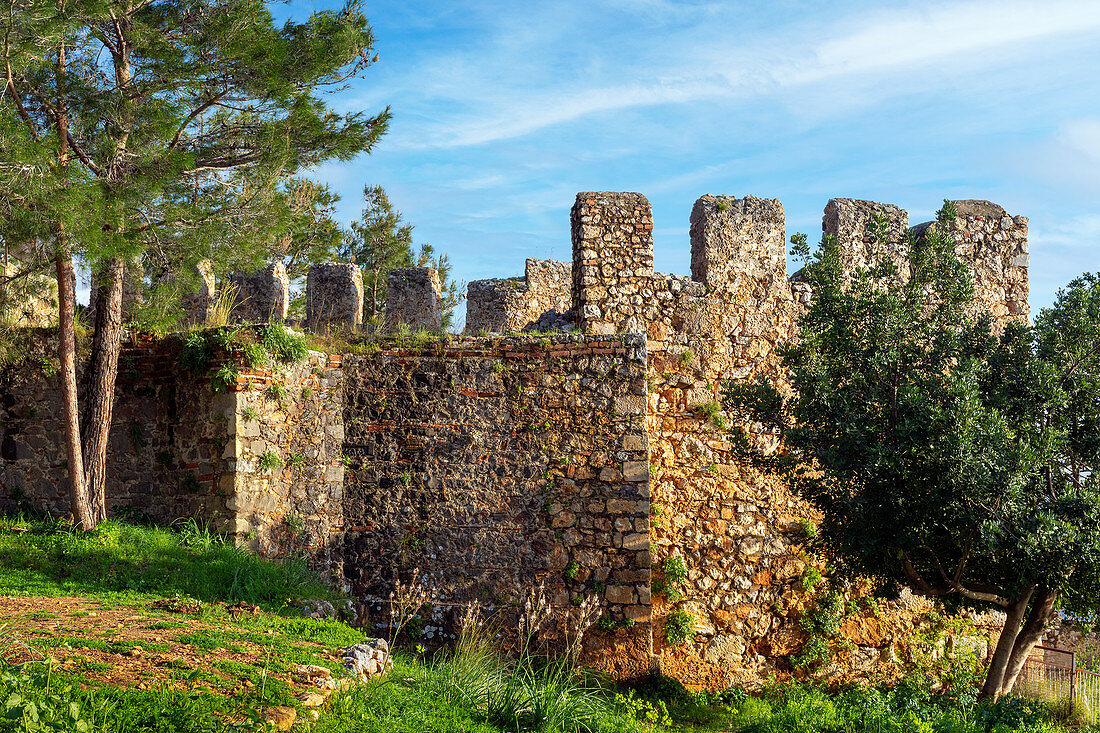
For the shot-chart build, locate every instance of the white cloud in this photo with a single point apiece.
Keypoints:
(491, 103)
(1069, 160)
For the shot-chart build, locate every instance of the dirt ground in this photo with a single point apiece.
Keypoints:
(33, 622)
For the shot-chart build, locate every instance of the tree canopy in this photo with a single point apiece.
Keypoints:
(944, 454)
(169, 129)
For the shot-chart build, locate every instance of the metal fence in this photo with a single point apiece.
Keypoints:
(1052, 674)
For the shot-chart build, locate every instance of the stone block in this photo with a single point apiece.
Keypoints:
(414, 299)
(261, 297)
(334, 295)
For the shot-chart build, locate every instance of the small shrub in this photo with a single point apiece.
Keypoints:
(679, 627)
(571, 571)
(686, 357)
(256, 356)
(676, 571)
(810, 578)
(723, 204)
(284, 345)
(277, 392)
(294, 524)
(225, 376)
(712, 411)
(269, 461)
(807, 528)
(654, 713)
(607, 624)
(249, 413)
(295, 459)
(307, 393)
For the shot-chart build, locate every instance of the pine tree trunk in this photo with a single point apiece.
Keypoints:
(995, 675)
(1041, 613)
(66, 355)
(66, 320)
(99, 398)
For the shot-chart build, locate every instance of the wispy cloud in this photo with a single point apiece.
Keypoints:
(494, 103)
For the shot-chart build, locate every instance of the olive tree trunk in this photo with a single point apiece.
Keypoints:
(1023, 629)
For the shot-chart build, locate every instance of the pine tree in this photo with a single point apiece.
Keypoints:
(130, 127)
(380, 242)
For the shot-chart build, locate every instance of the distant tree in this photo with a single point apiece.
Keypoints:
(943, 457)
(380, 242)
(133, 127)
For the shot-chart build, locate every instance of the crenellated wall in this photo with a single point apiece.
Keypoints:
(506, 305)
(495, 463)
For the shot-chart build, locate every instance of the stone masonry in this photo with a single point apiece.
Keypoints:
(585, 463)
(414, 299)
(262, 297)
(505, 305)
(334, 295)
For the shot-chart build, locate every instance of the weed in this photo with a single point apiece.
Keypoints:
(679, 627)
(269, 461)
(712, 411)
(294, 524)
(225, 376)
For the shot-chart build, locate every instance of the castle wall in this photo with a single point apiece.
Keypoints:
(494, 465)
(507, 305)
(262, 296)
(738, 531)
(995, 245)
(334, 295)
(165, 455)
(414, 299)
(286, 431)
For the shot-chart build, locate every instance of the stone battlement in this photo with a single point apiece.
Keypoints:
(738, 265)
(585, 462)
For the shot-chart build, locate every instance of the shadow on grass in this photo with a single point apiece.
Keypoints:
(51, 559)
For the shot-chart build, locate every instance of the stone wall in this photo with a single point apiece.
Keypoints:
(995, 245)
(198, 302)
(165, 456)
(179, 447)
(496, 465)
(612, 261)
(334, 295)
(507, 305)
(286, 436)
(27, 300)
(737, 530)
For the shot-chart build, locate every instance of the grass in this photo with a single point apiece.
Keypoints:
(123, 562)
(207, 671)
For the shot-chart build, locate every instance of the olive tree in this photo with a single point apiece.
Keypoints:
(945, 454)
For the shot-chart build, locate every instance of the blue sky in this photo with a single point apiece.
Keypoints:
(502, 111)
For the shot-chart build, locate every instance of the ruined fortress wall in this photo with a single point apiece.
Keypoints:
(165, 456)
(739, 531)
(181, 448)
(494, 465)
(507, 305)
(285, 438)
(995, 245)
(414, 299)
(262, 296)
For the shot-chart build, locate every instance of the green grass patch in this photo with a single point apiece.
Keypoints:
(120, 563)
